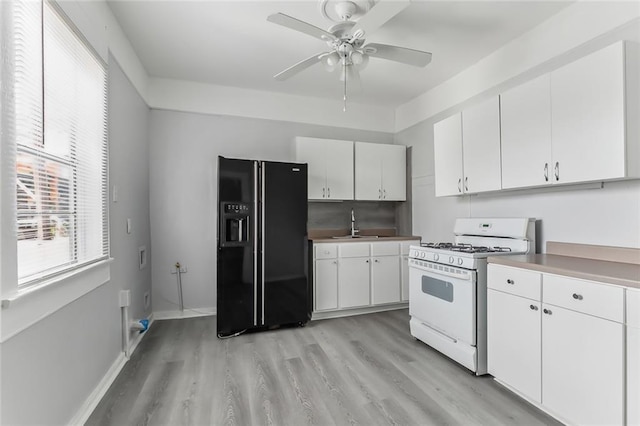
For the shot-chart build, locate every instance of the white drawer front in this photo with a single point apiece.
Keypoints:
(353, 250)
(633, 308)
(520, 282)
(589, 297)
(385, 249)
(325, 251)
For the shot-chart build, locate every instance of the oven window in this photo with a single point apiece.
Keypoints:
(437, 288)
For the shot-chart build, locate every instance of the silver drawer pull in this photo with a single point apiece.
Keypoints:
(547, 311)
(510, 281)
(577, 296)
(533, 307)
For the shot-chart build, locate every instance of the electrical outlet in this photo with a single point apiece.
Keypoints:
(147, 300)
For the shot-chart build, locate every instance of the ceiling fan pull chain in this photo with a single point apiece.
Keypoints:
(344, 98)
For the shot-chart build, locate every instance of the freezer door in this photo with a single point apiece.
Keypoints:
(237, 246)
(285, 284)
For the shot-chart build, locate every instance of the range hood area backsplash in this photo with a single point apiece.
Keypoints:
(369, 215)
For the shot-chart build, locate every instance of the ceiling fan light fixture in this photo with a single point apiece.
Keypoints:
(359, 59)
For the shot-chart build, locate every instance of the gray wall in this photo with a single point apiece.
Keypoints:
(184, 150)
(49, 369)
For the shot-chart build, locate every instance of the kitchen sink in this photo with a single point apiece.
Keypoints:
(348, 237)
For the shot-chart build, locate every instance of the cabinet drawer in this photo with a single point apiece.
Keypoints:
(353, 250)
(584, 296)
(385, 249)
(520, 282)
(326, 251)
(633, 308)
(404, 246)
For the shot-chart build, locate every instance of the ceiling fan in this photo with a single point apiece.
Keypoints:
(346, 39)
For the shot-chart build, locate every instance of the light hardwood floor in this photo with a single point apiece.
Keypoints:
(364, 369)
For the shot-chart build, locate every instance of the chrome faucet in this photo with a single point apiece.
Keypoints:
(354, 231)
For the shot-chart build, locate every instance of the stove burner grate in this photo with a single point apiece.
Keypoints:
(466, 248)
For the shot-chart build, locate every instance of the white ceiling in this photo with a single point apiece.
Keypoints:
(230, 43)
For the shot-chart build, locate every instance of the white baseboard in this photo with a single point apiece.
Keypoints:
(82, 415)
(92, 401)
(187, 313)
(357, 311)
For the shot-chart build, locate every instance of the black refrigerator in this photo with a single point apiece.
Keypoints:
(262, 262)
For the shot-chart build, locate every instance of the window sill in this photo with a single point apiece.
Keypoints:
(26, 307)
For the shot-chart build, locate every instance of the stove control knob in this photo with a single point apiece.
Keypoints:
(436, 257)
(460, 261)
(423, 255)
(451, 259)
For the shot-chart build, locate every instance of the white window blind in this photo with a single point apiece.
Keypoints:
(61, 144)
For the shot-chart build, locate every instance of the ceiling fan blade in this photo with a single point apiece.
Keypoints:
(378, 16)
(298, 25)
(302, 65)
(407, 56)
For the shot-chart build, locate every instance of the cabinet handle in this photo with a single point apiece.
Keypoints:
(510, 281)
(466, 183)
(323, 192)
(547, 311)
(533, 307)
(557, 171)
(379, 194)
(459, 183)
(384, 193)
(328, 192)
(577, 296)
(546, 172)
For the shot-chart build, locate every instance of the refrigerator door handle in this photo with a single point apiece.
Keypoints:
(263, 227)
(255, 243)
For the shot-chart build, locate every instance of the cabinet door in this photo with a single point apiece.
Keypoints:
(404, 279)
(312, 152)
(447, 151)
(513, 342)
(525, 113)
(582, 367)
(481, 147)
(394, 172)
(587, 117)
(339, 169)
(385, 279)
(326, 284)
(633, 356)
(353, 282)
(368, 171)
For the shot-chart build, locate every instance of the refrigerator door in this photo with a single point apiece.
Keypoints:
(237, 269)
(285, 284)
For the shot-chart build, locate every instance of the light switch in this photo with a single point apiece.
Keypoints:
(129, 226)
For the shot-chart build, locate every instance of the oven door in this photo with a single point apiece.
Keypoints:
(444, 299)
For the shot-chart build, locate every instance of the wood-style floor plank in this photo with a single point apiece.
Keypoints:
(360, 370)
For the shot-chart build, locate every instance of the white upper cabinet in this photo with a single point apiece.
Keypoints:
(481, 147)
(588, 117)
(330, 167)
(526, 134)
(447, 144)
(380, 172)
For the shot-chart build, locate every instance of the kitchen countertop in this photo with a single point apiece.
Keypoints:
(384, 234)
(605, 271)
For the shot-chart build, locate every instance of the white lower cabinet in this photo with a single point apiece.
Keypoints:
(353, 282)
(385, 279)
(552, 339)
(633, 357)
(582, 367)
(326, 284)
(356, 274)
(514, 339)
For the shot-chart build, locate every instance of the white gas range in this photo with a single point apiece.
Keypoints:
(448, 285)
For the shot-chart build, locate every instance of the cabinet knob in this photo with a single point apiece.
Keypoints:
(328, 192)
(533, 307)
(510, 281)
(379, 194)
(557, 171)
(335, 262)
(323, 192)
(377, 261)
(547, 311)
(367, 260)
(466, 183)
(577, 296)
(546, 172)
(459, 185)
(384, 194)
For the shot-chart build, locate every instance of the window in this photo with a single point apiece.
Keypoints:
(60, 117)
